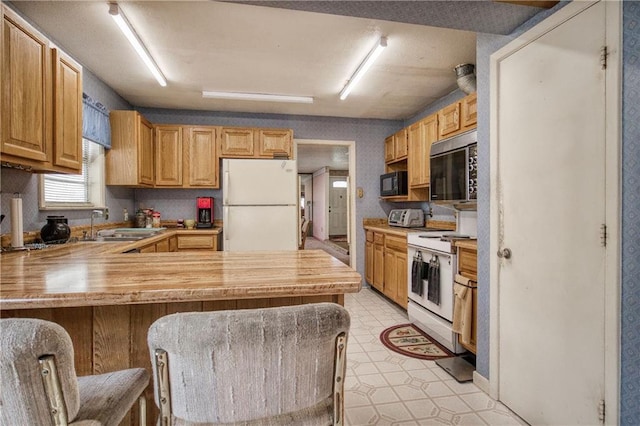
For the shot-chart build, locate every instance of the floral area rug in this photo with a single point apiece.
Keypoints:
(409, 340)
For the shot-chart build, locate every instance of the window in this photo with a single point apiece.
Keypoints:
(68, 191)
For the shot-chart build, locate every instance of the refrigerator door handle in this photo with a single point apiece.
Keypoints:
(225, 187)
(225, 221)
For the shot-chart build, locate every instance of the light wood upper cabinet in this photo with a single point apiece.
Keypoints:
(26, 91)
(236, 142)
(41, 100)
(449, 120)
(396, 146)
(389, 149)
(200, 159)
(168, 155)
(469, 111)
(421, 135)
(67, 96)
(400, 144)
(275, 142)
(458, 117)
(130, 161)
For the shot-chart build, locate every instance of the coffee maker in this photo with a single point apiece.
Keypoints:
(204, 212)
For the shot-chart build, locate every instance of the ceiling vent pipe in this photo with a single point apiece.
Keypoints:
(466, 77)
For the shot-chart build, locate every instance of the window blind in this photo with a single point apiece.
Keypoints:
(62, 188)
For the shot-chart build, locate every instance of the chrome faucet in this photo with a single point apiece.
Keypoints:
(94, 214)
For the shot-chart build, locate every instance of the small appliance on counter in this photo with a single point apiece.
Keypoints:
(204, 212)
(56, 230)
(406, 218)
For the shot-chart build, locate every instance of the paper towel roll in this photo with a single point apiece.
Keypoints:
(16, 223)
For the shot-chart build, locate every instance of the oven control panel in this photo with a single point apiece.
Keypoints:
(473, 172)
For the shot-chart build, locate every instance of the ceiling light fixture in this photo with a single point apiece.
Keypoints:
(364, 66)
(135, 41)
(258, 97)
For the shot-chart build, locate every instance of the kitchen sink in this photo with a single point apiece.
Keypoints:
(124, 234)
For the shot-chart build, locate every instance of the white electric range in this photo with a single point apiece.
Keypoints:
(435, 315)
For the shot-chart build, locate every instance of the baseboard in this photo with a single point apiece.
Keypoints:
(481, 382)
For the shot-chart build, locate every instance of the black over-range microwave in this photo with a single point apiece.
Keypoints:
(454, 169)
(394, 183)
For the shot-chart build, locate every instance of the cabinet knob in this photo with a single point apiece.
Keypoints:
(504, 253)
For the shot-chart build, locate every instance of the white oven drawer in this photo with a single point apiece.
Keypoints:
(435, 327)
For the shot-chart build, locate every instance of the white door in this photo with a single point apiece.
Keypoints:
(550, 205)
(337, 205)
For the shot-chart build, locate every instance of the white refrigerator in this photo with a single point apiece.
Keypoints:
(260, 205)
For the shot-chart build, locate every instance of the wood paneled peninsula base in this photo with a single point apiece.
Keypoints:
(107, 301)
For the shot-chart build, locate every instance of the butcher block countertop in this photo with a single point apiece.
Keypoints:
(99, 273)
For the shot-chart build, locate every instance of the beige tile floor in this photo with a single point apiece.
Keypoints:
(386, 388)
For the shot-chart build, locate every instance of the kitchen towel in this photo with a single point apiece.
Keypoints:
(433, 285)
(16, 222)
(462, 308)
(417, 273)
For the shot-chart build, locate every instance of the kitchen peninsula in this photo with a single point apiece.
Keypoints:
(106, 299)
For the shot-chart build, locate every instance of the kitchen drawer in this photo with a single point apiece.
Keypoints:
(370, 236)
(378, 238)
(396, 243)
(468, 263)
(191, 242)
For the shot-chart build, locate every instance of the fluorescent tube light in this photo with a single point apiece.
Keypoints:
(364, 66)
(135, 41)
(258, 97)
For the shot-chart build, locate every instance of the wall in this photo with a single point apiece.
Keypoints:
(27, 183)
(630, 270)
(320, 190)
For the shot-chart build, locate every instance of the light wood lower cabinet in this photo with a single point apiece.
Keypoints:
(395, 269)
(468, 267)
(174, 243)
(386, 265)
(198, 242)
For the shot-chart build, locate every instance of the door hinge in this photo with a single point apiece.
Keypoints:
(601, 411)
(603, 57)
(603, 235)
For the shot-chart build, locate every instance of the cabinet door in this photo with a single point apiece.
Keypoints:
(368, 262)
(197, 242)
(378, 262)
(162, 246)
(67, 117)
(402, 294)
(168, 155)
(469, 111)
(389, 149)
(26, 116)
(390, 275)
(400, 142)
(236, 142)
(416, 154)
(449, 120)
(145, 151)
(275, 142)
(200, 159)
(429, 127)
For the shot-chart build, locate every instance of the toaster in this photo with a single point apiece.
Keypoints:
(406, 218)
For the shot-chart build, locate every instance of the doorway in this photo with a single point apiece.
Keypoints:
(332, 207)
(553, 348)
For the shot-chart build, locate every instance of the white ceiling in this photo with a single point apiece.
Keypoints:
(227, 46)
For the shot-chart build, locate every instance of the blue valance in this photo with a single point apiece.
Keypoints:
(95, 122)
